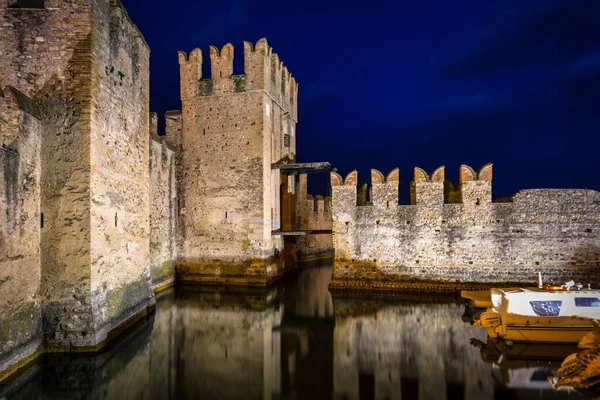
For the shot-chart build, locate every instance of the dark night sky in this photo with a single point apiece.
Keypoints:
(424, 83)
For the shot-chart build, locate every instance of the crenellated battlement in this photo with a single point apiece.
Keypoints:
(437, 176)
(426, 189)
(384, 190)
(465, 242)
(468, 174)
(476, 188)
(263, 70)
(314, 211)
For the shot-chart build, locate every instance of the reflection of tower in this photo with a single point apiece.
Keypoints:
(271, 356)
(306, 357)
(312, 297)
(307, 337)
(228, 345)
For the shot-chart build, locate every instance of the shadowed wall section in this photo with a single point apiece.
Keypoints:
(313, 213)
(163, 209)
(20, 224)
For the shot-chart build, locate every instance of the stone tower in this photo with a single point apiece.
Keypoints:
(233, 129)
(81, 68)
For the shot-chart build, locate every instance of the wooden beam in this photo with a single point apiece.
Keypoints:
(303, 168)
(301, 233)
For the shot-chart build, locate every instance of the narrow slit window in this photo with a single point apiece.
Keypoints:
(477, 202)
(225, 214)
(41, 220)
(29, 4)
(116, 219)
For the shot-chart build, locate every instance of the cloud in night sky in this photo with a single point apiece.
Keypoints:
(540, 33)
(397, 84)
(224, 25)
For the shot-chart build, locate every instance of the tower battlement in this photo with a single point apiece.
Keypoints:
(262, 71)
(475, 188)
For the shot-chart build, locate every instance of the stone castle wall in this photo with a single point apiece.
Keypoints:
(96, 206)
(233, 130)
(20, 259)
(46, 53)
(81, 266)
(450, 246)
(163, 209)
(119, 178)
(313, 213)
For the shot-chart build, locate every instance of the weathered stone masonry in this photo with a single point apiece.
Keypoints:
(448, 246)
(233, 128)
(163, 208)
(313, 213)
(96, 207)
(20, 267)
(74, 254)
(97, 211)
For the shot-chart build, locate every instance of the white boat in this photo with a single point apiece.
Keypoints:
(540, 315)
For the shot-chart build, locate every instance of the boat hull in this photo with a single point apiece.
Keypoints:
(541, 330)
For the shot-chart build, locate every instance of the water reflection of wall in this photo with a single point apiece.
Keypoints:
(121, 372)
(162, 350)
(228, 346)
(197, 345)
(248, 346)
(307, 337)
(311, 298)
(406, 350)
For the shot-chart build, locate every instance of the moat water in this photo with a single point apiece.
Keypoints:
(297, 341)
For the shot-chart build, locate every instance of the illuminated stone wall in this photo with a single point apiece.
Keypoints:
(84, 210)
(383, 245)
(234, 127)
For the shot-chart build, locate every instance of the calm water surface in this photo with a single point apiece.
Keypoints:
(296, 341)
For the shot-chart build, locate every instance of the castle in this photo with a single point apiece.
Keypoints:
(98, 212)
(97, 208)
